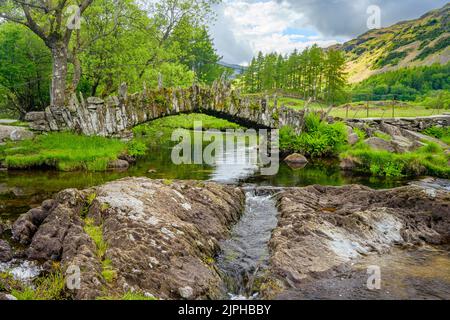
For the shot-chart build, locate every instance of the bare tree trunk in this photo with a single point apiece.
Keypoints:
(59, 74)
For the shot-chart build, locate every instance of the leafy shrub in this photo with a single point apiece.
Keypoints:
(319, 138)
(137, 148)
(361, 134)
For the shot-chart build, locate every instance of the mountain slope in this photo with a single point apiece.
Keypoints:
(419, 42)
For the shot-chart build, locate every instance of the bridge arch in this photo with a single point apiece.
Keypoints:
(109, 117)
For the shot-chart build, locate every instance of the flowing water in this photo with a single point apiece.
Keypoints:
(245, 255)
(21, 190)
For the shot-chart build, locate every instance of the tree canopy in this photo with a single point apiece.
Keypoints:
(313, 73)
(92, 46)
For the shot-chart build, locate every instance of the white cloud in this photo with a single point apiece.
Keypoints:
(260, 26)
(245, 27)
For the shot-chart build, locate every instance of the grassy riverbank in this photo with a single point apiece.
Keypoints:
(428, 160)
(321, 139)
(63, 151)
(66, 151)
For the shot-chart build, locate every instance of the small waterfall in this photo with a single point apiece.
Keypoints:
(245, 254)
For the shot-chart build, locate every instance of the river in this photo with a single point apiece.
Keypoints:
(245, 255)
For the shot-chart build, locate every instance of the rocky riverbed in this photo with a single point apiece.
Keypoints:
(163, 238)
(324, 232)
(159, 236)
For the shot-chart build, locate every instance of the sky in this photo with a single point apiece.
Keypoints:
(244, 27)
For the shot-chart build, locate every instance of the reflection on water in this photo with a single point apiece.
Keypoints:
(20, 190)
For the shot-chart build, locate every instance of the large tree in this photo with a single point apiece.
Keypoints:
(54, 22)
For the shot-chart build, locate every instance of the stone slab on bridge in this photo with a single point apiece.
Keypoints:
(109, 117)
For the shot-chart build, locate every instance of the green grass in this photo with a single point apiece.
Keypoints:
(108, 272)
(159, 130)
(128, 296)
(64, 151)
(380, 109)
(186, 121)
(382, 135)
(428, 160)
(96, 234)
(50, 287)
(442, 133)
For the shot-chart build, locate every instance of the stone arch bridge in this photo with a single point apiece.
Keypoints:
(109, 117)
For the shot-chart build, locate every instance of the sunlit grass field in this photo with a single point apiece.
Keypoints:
(380, 109)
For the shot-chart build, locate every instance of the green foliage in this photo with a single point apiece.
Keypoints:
(392, 58)
(96, 234)
(442, 133)
(313, 73)
(167, 38)
(161, 129)
(137, 148)
(428, 160)
(128, 296)
(108, 272)
(436, 100)
(50, 287)
(406, 84)
(25, 69)
(319, 138)
(64, 151)
(361, 134)
(382, 135)
(440, 45)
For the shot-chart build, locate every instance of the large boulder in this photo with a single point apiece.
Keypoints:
(296, 158)
(325, 229)
(6, 253)
(349, 163)
(353, 138)
(5, 132)
(390, 129)
(296, 161)
(14, 133)
(402, 144)
(20, 134)
(118, 164)
(380, 144)
(160, 236)
(26, 225)
(23, 229)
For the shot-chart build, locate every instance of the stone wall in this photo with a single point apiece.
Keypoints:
(413, 124)
(95, 116)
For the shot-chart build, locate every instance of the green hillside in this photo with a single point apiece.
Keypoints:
(419, 42)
